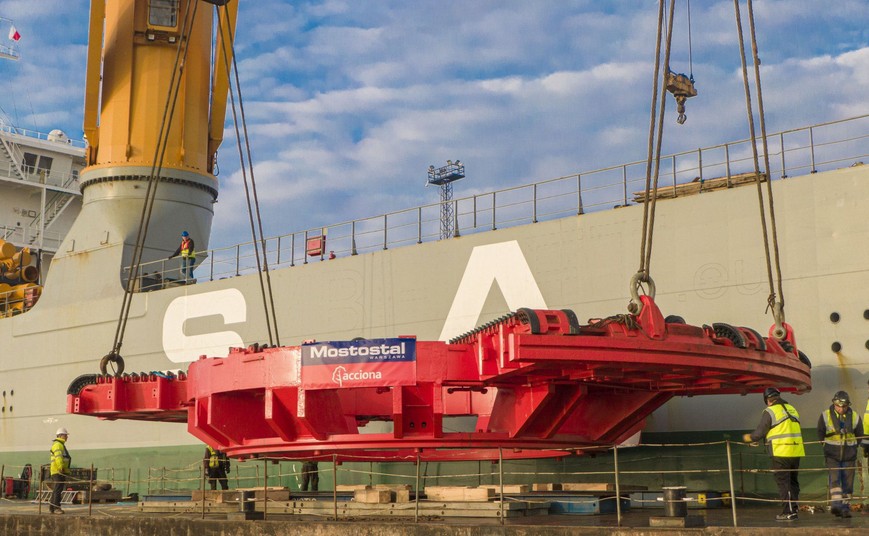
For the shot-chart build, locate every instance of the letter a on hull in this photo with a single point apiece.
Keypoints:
(502, 263)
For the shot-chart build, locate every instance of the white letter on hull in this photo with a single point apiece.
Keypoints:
(502, 263)
(181, 348)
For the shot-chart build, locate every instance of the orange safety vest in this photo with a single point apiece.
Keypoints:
(187, 249)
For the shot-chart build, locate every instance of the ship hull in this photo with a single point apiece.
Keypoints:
(708, 266)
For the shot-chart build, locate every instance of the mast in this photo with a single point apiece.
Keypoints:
(135, 78)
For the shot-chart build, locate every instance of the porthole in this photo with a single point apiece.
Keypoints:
(834, 317)
(836, 347)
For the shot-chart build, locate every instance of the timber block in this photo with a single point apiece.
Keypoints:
(545, 487)
(349, 487)
(458, 493)
(508, 488)
(400, 492)
(218, 496)
(373, 496)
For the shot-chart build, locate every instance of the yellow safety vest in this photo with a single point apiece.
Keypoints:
(214, 460)
(833, 437)
(60, 458)
(785, 436)
(866, 424)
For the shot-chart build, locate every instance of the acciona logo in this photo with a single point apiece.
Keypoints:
(340, 375)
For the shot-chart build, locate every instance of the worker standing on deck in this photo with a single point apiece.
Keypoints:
(188, 255)
(60, 462)
(839, 427)
(780, 428)
(310, 475)
(216, 467)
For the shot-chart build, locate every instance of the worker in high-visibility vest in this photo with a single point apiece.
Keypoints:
(187, 250)
(216, 467)
(865, 443)
(60, 462)
(839, 428)
(779, 427)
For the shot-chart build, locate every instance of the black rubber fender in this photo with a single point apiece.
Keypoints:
(804, 358)
(80, 383)
(572, 320)
(761, 343)
(674, 319)
(726, 331)
(529, 316)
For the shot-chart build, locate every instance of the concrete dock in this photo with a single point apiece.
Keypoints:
(20, 518)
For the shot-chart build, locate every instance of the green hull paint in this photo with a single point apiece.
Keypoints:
(697, 460)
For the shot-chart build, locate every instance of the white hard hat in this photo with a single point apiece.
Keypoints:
(62, 431)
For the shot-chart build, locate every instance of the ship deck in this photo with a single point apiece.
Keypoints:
(23, 518)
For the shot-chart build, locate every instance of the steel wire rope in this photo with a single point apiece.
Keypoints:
(651, 189)
(258, 242)
(151, 191)
(777, 307)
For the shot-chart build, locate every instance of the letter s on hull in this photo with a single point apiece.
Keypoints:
(182, 348)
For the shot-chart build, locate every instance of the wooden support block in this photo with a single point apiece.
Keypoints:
(400, 492)
(546, 487)
(349, 487)
(273, 495)
(508, 488)
(458, 493)
(587, 486)
(372, 496)
(218, 496)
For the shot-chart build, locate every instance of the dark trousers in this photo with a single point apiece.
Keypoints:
(57, 482)
(216, 474)
(786, 478)
(310, 475)
(841, 481)
(187, 267)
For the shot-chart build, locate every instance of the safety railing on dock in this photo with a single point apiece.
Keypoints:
(727, 475)
(801, 151)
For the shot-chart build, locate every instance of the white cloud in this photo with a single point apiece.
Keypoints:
(349, 102)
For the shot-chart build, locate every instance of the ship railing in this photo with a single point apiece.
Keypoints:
(801, 151)
(17, 234)
(66, 182)
(730, 477)
(35, 134)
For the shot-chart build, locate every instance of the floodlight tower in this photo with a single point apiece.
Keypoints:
(444, 177)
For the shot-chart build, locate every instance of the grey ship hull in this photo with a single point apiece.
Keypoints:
(707, 264)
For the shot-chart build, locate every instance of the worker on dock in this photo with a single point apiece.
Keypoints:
(839, 428)
(310, 475)
(60, 462)
(865, 443)
(188, 255)
(216, 467)
(780, 428)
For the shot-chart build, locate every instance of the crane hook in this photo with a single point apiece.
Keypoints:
(682, 87)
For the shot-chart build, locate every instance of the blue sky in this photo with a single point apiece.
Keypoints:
(348, 102)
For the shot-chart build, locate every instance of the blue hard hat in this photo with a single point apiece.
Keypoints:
(184, 233)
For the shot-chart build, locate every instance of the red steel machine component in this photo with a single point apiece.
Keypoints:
(534, 383)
